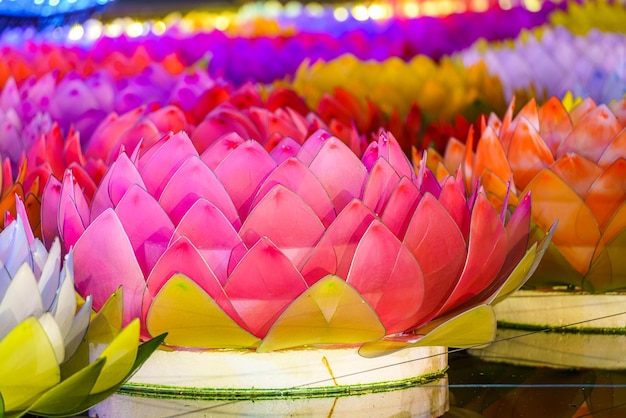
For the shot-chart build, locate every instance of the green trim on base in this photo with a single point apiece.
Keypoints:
(303, 392)
(562, 329)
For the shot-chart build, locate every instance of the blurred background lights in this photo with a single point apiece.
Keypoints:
(341, 14)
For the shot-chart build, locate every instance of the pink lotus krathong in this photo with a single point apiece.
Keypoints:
(305, 244)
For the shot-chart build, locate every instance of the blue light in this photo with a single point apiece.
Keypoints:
(46, 13)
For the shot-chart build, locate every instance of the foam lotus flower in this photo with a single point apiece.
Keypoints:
(574, 165)
(84, 102)
(307, 244)
(267, 127)
(580, 18)
(441, 89)
(278, 111)
(35, 59)
(117, 132)
(43, 368)
(553, 61)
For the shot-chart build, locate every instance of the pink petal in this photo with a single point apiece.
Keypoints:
(104, 260)
(214, 236)
(171, 155)
(108, 132)
(388, 277)
(296, 177)
(517, 236)
(192, 181)
(213, 128)
(487, 250)
(144, 130)
(183, 257)
(270, 124)
(119, 178)
(341, 173)
(168, 118)
(262, 286)
(242, 172)
(50, 210)
(287, 221)
(401, 206)
(217, 152)
(73, 210)
(148, 227)
(335, 250)
(454, 202)
(381, 183)
(285, 149)
(389, 149)
(370, 156)
(427, 182)
(438, 246)
(312, 146)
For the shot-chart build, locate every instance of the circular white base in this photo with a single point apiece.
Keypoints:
(565, 311)
(301, 373)
(556, 350)
(430, 400)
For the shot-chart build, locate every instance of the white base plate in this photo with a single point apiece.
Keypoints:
(567, 311)
(426, 401)
(228, 374)
(556, 350)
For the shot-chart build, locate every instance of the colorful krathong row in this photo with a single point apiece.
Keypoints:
(346, 176)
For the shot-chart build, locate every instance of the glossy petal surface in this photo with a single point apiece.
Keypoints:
(329, 312)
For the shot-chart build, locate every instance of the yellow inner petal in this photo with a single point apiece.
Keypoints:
(193, 319)
(329, 312)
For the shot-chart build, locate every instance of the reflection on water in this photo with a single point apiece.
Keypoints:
(499, 389)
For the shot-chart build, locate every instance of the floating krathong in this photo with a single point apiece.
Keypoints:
(574, 165)
(298, 253)
(44, 366)
(442, 90)
(552, 61)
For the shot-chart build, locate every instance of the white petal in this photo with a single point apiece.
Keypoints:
(7, 323)
(5, 280)
(54, 335)
(39, 255)
(65, 305)
(7, 236)
(49, 280)
(19, 253)
(22, 297)
(78, 330)
(22, 217)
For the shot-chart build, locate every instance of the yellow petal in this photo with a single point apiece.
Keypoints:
(107, 323)
(474, 327)
(28, 366)
(329, 312)
(193, 319)
(120, 356)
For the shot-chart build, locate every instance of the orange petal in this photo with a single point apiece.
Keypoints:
(528, 153)
(577, 232)
(592, 135)
(554, 123)
(490, 154)
(608, 192)
(581, 110)
(577, 172)
(454, 155)
(617, 149)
